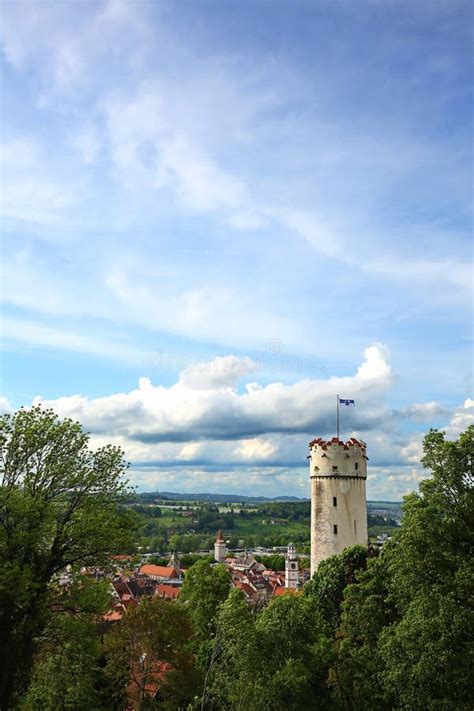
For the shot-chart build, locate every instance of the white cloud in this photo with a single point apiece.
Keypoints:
(222, 372)
(35, 334)
(203, 432)
(462, 418)
(375, 366)
(5, 405)
(30, 192)
(205, 405)
(256, 449)
(424, 411)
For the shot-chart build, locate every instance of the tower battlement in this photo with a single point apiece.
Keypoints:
(336, 442)
(336, 458)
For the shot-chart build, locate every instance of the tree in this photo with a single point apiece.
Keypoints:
(230, 679)
(59, 506)
(295, 650)
(406, 626)
(66, 673)
(358, 673)
(149, 661)
(205, 587)
(429, 654)
(326, 588)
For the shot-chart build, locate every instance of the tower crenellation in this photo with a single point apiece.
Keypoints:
(338, 472)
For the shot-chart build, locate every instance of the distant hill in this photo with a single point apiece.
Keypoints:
(216, 498)
(242, 498)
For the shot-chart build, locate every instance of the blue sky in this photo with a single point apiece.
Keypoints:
(246, 208)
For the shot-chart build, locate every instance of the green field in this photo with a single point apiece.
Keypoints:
(191, 526)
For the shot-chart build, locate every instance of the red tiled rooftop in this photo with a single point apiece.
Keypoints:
(284, 591)
(170, 592)
(158, 571)
(350, 442)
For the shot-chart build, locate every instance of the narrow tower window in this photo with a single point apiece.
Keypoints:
(334, 469)
(356, 466)
(334, 500)
(355, 527)
(335, 528)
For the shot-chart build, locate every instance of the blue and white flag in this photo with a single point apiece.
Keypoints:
(343, 401)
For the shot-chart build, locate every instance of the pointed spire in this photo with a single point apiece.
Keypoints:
(219, 537)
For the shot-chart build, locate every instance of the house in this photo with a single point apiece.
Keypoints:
(160, 573)
(169, 592)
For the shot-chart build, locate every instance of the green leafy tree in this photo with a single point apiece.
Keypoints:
(149, 663)
(272, 562)
(326, 587)
(230, 675)
(429, 655)
(66, 673)
(358, 674)
(59, 506)
(406, 626)
(295, 651)
(205, 587)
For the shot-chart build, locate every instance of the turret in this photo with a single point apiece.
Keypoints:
(219, 548)
(338, 471)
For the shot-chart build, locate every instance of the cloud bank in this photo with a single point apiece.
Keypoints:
(216, 427)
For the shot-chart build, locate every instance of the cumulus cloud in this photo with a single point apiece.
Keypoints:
(221, 372)
(213, 430)
(206, 404)
(461, 419)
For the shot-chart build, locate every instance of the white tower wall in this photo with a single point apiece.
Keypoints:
(291, 567)
(220, 550)
(338, 471)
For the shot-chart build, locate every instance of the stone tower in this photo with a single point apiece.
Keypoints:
(338, 471)
(219, 548)
(291, 567)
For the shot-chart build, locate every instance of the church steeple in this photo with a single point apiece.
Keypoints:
(174, 562)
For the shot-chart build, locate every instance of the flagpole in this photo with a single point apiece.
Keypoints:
(337, 414)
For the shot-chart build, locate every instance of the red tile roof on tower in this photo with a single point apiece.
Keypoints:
(350, 442)
(219, 537)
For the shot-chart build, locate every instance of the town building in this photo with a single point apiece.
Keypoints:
(161, 573)
(291, 568)
(220, 551)
(338, 472)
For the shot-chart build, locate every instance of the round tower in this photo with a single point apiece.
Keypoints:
(338, 471)
(219, 548)
(291, 567)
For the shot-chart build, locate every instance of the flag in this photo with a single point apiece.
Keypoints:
(343, 401)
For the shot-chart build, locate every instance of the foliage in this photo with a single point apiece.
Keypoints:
(148, 659)
(326, 588)
(388, 632)
(59, 506)
(66, 672)
(406, 640)
(272, 562)
(276, 659)
(205, 587)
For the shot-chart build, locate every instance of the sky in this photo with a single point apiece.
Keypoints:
(216, 216)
